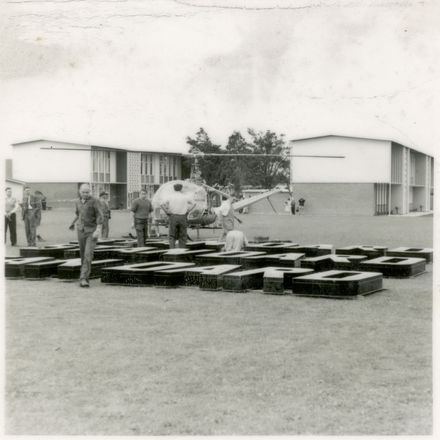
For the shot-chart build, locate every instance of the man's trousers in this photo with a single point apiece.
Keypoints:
(141, 226)
(87, 245)
(178, 230)
(30, 226)
(105, 228)
(11, 223)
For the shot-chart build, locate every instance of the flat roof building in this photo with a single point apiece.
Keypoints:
(57, 169)
(360, 176)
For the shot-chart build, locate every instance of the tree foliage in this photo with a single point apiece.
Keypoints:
(238, 171)
(268, 171)
(212, 173)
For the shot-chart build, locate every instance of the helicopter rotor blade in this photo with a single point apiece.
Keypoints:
(202, 155)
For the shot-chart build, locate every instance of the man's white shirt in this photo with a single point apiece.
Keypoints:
(178, 203)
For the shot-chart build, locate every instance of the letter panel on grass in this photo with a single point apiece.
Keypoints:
(138, 274)
(278, 280)
(72, 268)
(395, 267)
(14, 268)
(426, 253)
(337, 284)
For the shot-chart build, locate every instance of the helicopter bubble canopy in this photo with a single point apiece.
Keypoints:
(195, 192)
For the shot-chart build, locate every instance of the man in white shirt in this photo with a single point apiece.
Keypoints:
(11, 207)
(235, 241)
(177, 206)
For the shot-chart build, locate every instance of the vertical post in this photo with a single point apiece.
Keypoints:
(406, 169)
(291, 169)
(392, 174)
(389, 198)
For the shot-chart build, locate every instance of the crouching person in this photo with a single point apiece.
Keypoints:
(235, 241)
(89, 216)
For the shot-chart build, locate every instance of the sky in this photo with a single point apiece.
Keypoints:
(148, 74)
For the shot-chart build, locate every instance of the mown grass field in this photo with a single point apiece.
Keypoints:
(121, 360)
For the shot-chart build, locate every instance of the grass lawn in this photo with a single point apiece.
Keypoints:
(133, 360)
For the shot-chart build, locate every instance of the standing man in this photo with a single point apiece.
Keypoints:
(31, 212)
(293, 205)
(40, 196)
(11, 207)
(141, 209)
(106, 213)
(301, 203)
(177, 206)
(89, 216)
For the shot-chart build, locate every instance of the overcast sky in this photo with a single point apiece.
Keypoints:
(146, 74)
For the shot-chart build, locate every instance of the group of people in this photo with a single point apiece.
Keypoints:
(290, 205)
(92, 218)
(31, 206)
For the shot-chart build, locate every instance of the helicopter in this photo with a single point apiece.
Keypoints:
(204, 214)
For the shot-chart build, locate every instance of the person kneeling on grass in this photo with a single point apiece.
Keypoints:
(89, 216)
(235, 241)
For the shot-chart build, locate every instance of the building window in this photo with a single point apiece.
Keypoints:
(161, 168)
(100, 166)
(381, 195)
(146, 168)
(412, 169)
(168, 168)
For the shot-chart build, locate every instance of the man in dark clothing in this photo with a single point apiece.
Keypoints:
(31, 212)
(141, 209)
(293, 205)
(88, 213)
(42, 199)
(106, 213)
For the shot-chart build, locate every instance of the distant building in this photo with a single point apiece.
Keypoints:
(58, 168)
(363, 176)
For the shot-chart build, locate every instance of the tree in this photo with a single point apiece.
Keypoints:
(211, 168)
(268, 171)
(238, 166)
(265, 172)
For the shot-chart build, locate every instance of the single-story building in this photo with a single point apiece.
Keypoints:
(57, 169)
(360, 176)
